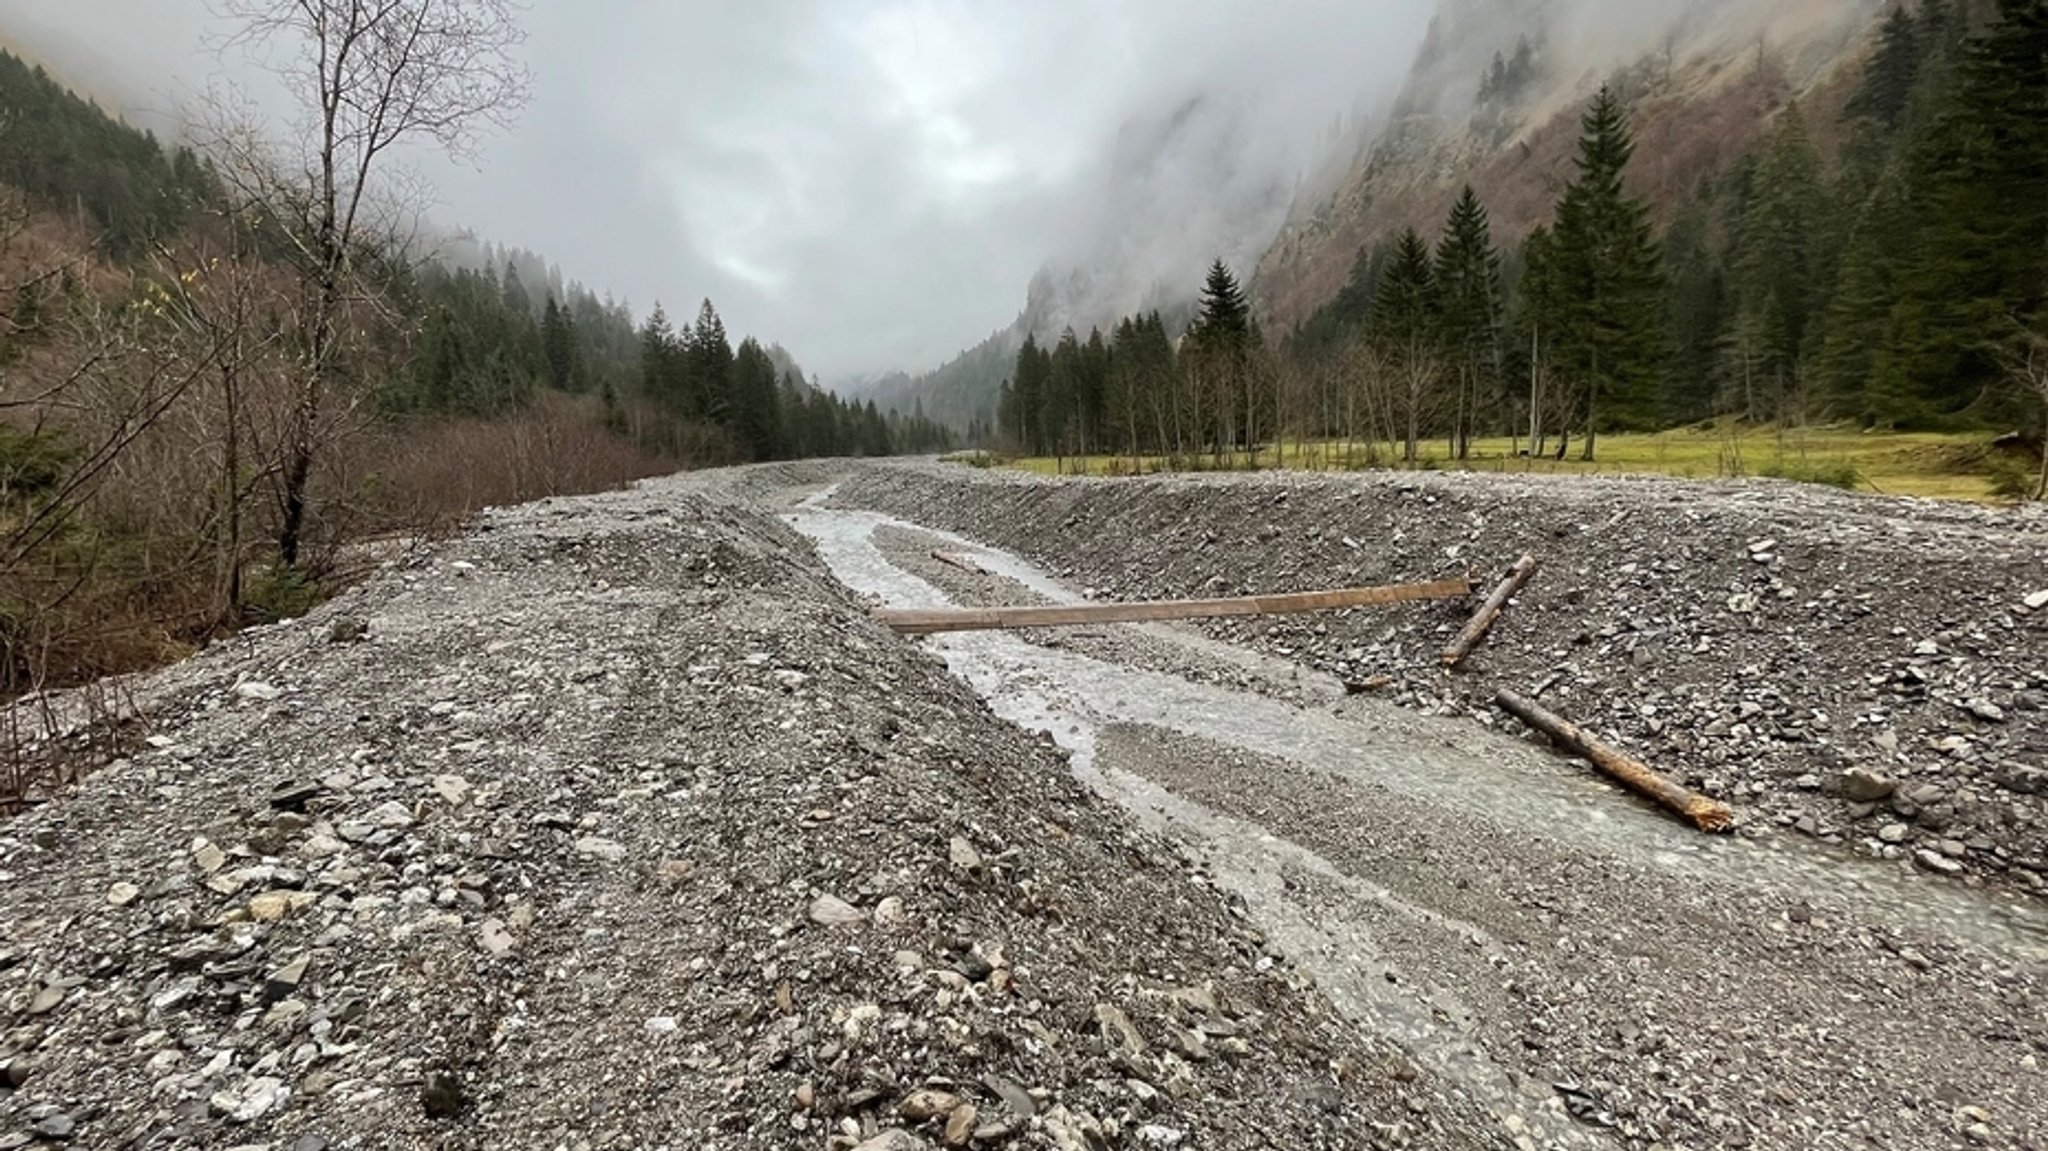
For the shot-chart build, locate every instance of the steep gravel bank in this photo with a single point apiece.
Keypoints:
(614, 823)
(1867, 671)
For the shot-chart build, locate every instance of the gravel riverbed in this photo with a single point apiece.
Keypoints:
(1868, 672)
(613, 823)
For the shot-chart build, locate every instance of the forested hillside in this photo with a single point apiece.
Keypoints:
(1895, 279)
(195, 433)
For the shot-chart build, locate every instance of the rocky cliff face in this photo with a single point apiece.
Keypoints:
(1494, 97)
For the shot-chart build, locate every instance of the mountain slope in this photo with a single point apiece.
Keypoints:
(1703, 81)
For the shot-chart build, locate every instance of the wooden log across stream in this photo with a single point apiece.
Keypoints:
(923, 622)
(1703, 813)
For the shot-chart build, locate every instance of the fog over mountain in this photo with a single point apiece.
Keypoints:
(877, 182)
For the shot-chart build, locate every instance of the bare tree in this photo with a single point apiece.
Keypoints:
(2027, 364)
(371, 75)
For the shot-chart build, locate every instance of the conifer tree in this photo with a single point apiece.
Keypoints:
(558, 344)
(1606, 282)
(709, 356)
(1467, 276)
(1784, 262)
(660, 356)
(756, 408)
(1887, 87)
(1980, 186)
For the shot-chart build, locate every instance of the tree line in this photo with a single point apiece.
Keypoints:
(1900, 284)
(225, 364)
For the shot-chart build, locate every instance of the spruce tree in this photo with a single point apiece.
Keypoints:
(1468, 291)
(708, 352)
(1887, 87)
(1225, 320)
(558, 344)
(756, 408)
(1784, 262)
(1981, 191)
(1607, 282)
(660, 357)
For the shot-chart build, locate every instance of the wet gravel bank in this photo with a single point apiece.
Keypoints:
(1867, 672)
(615, 823)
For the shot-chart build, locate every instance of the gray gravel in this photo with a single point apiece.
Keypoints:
(613, 823)
(1867, 672)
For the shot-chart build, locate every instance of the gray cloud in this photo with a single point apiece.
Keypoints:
(872, 182)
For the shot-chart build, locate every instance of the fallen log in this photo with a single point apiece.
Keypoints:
(1482, 620)
(1703, 813)
(922, 622)
(962, 562)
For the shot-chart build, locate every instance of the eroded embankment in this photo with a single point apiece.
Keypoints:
(622, 825)
(1865, 671)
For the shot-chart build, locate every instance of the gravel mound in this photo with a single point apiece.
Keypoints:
(615, 823)
(1868, 671)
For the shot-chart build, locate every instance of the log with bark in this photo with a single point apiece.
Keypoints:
(964, 563)
(1703, 813)
(922, 622)
(1482, 620)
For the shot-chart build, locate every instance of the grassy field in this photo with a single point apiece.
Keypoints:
(1913, 464)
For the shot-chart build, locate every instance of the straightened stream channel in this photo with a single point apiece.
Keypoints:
(1510, 785)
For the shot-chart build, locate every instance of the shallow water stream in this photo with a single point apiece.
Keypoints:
(1498, 780)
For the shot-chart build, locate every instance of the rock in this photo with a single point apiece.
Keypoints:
(890, 913)
(2036, 601)
(1118, 1030)
(1926, 795)
(285, 981)
(1936, 862)
(928, 1103)
(1155, 1135)
(272, 906)
(441, 1095)
(46, 1000)
(347, 629)
(1013, 1095)
(975, 966)
(662, 1025)
(598, 847)
(392, 815)
(960, 1125)
(320, 846)
(494, 939)
(207, 857)
(963, 855)
(56, 1127)
(257, 691)
(1985, 710)
(894, 1140)
(311, 1143)
(1895, 833)
(123, 894)
(452, 788)
(833, 911)
(251, 1100)
(295, 794)
(1861, 785)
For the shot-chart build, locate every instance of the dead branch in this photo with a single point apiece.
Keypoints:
(1483, 619)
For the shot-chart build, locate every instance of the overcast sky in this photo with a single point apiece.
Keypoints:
(870, 182)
